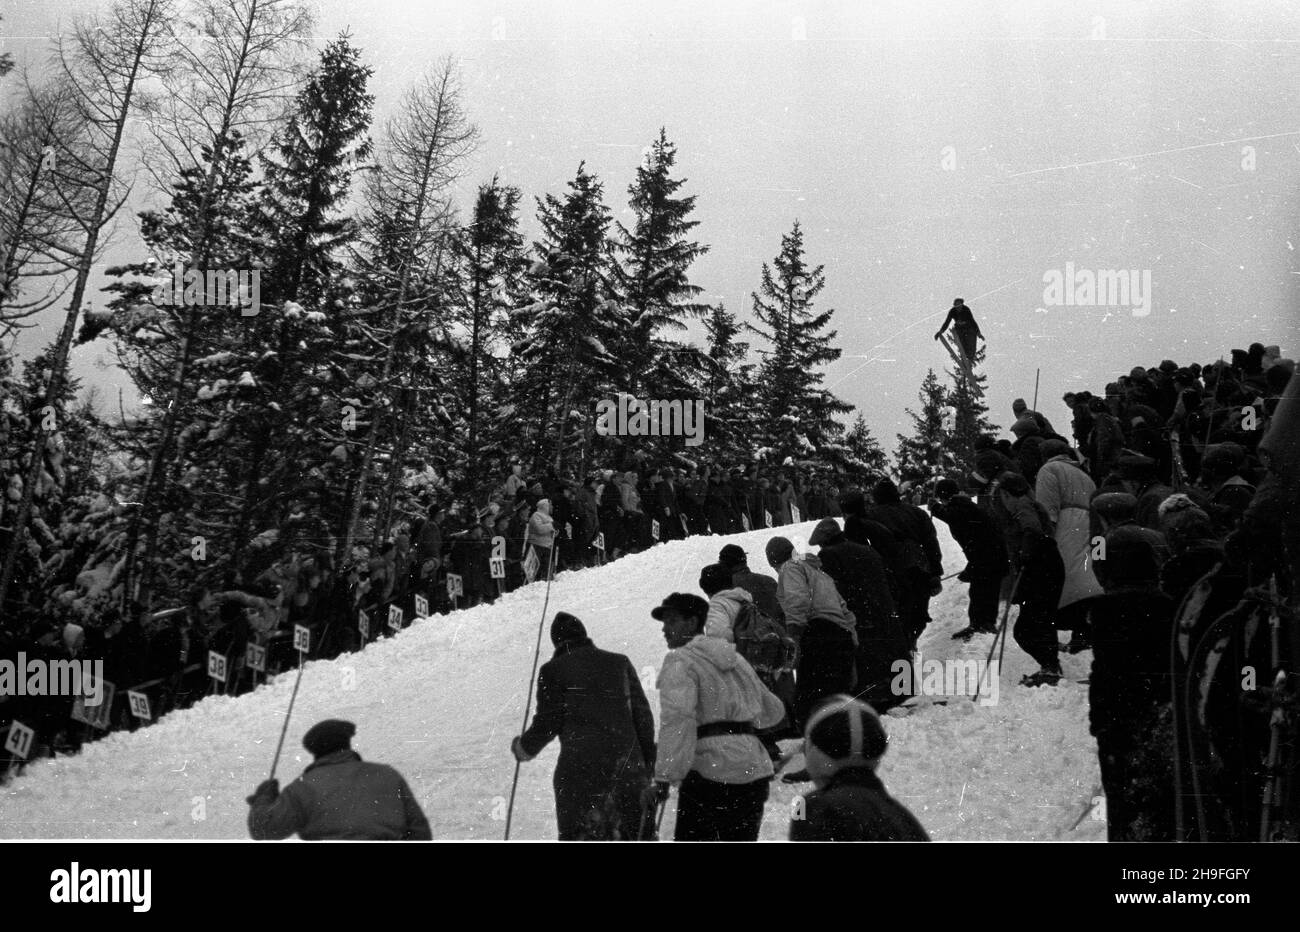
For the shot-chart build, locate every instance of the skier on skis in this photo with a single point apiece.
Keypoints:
(593, 702)
(964, 328)
(338, 797)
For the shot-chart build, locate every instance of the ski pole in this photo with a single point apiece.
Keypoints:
(1000, 633)
(537, 653)
(285, 729)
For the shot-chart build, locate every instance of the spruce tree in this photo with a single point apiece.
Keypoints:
(573, 326)
(799, 416)
(865, 461)
(653, 276)
(728, 390)
(970, 418)
(489, 284)
(923, 455)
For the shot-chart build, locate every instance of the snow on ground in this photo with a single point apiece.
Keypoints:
(442, 700)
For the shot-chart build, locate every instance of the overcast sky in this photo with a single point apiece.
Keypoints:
(930, 150)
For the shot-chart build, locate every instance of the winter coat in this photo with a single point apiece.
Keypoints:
(541, 528)
(807, 592)
(763, 589)
(628, 495)
(1065, 491)
(855, 806)
(428, 547)
(1033, 551)
(707, 681)
(873, 534)
(859, 575)
(1131, 628)
(666, 508)
(1104, 443)
(592, 701)
(977, 532)
(340, 796)
(724, 608)
(717, 505)
(772, 504)
(920, 558)
(512, 487)
(1028, 452)
(788, 498)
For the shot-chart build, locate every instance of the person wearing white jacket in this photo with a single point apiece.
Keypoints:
(541, 535)
(711, 705)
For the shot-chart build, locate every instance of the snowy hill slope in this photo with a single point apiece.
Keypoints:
(442, 700)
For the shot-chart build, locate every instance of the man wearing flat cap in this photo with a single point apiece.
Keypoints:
(338, 797)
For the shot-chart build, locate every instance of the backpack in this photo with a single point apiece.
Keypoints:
(762, 641)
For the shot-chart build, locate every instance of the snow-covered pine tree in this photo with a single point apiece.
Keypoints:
(799, 416)
(970, 416)
(227, 107)
(923, 455)
(302, 227)
(574, 321)
(161, 333)
(653, 276)
(728, 391)
(865, 461)
(402, 320)
(489, 283)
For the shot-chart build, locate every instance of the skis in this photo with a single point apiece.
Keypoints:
(963, 364)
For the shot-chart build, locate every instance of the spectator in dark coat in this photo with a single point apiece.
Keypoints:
(849, 802)
(1111, 513)
(593, 702)
(759, 585)
(1129, 691)
(1042, 575)
(863, 530)
(338, 796)
(611, 518)
(1105, 442)
(859, 575)
(921, 563)
(718, 505)
(1028, 448)
(984, 545)
(1020, 410)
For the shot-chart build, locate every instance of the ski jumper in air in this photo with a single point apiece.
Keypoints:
(964, 328)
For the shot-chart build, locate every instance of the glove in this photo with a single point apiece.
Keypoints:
(935, 586)
(517, 749)
(654, 794)
(268, 791)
